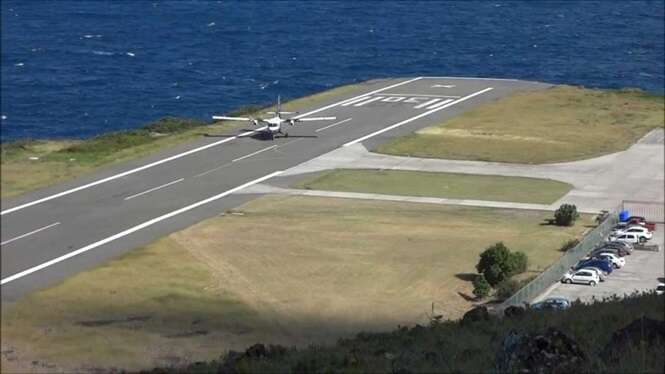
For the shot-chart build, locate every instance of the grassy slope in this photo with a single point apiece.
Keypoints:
(61, 160)
(563, 123)
(289, 270)
(451, 347)
(446, 185)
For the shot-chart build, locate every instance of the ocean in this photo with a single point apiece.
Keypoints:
(81, 68)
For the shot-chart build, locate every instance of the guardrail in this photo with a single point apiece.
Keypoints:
(555, 271)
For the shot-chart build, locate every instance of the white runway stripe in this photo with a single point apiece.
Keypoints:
(254, 153)
(377, 98)
(334, 124)
(132, 230)
(153, 189)
(444, 102)
(355, 100)
(29, 233)
(426, 103)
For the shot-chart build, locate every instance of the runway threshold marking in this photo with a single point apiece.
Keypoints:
(134, 229)
(154, 189)
(375, 133)
(191, 151)
(254, 153)
(334, 124)
(375, 98)
(29, 233)
(421, 95)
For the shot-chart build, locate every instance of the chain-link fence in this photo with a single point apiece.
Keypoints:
(555, 272)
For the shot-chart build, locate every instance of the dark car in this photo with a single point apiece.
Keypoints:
(604, 265)
(617, 251)
(552, 303)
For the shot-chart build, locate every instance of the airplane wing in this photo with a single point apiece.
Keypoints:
(317, 119)
(232, 118)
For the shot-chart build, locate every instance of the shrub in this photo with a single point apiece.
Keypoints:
(518, 262)
(566, 215)
(481, 287)
(569, 244)
(507, 288)
(498, 263)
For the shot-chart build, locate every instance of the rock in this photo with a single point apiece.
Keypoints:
(514, 311)
(479, 313)
(551, 352)
(649, 331)
(230, 362)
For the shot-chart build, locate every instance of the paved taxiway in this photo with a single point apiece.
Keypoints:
(53, 233)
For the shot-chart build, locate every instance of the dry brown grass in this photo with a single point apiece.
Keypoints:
(562, 123)
(287, 269)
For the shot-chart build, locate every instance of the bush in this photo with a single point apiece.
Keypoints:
(569, 244)
(517, 263)
(507, 288)
(481, 287)
(566, 215)
(498, 263)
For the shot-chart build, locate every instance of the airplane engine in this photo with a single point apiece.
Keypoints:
(292, 122)
(255, 122)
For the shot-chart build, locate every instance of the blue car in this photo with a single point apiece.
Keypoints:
(604, 265)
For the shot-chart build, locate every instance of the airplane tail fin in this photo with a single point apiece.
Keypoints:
(279, 106)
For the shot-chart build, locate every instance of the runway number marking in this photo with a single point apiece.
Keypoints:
(191, 151)
(30, 233)
(134, 229)
(154, 189)
(437, 108)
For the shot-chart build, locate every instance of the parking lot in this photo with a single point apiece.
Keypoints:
(642, 272)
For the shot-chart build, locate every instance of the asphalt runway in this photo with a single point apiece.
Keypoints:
(59, 231)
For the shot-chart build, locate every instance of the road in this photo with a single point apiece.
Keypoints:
(56, 232)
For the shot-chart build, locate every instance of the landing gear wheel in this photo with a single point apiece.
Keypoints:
(592, 284)
(286, 134)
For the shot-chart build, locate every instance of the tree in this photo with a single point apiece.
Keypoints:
(480, 286)
(498, 263)
(566, 215)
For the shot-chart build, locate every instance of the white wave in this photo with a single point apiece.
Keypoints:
(131, 54)
(4, 117)
(103, 53)
(177, 97)
(19, 64)
(90, 36)
(211, 24)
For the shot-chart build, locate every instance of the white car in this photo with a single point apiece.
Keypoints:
(640, 231)
(627, 238)
(584, 276)
(617, 262)
(599, 272)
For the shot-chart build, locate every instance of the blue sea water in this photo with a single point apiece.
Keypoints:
(81, 68)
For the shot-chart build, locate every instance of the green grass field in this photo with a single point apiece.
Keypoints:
(65, 159)
(281, 269)
(445, 185)
(562, 123)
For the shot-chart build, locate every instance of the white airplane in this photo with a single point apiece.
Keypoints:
(273, 125)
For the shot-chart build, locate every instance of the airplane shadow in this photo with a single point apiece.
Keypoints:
(263, 136)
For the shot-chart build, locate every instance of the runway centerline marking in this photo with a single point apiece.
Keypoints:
(334, 124)
(398, 124)
(30, 233)
(186, 153)
(426, 103)
(133, 229)
(154, 189)
(213, 169)
(254, 153)
(287, 143)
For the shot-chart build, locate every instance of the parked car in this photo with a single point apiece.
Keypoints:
(604, 265)
(641, 231)
(581, 276)
(626, 246)
(660, 289)
(600, 273)
(552, 303)
(628, 238)
(617, 251)
(617, 262)
(639, 220)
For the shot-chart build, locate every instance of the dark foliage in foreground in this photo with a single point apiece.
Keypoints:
(615, 335)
